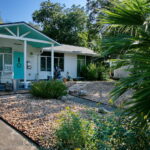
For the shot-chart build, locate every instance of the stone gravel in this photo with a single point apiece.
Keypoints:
(38, 118)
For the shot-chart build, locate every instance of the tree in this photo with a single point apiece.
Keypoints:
(65, 25)
(36, 26)
(94, 9)
(131, 41)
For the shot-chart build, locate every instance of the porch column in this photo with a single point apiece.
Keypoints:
(52, 61)
(25, 66)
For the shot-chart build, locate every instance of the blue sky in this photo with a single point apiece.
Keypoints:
(21, 10)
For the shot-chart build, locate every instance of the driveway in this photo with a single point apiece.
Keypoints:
(12, 140)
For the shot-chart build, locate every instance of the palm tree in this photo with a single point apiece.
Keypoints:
(128, 37)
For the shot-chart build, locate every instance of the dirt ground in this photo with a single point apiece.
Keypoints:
(99, 91)
(37, 118)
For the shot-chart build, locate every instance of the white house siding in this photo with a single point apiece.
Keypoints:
(18, 46)
(33, 56)
(70, 65)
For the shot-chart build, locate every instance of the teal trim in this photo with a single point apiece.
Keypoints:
(33, 34)
(18, 65)
(5, 50)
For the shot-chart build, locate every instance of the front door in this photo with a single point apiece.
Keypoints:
(18, 65)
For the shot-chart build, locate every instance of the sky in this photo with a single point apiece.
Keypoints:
(21, 10)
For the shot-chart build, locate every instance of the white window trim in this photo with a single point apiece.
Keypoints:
(45, 64)
(4, 63)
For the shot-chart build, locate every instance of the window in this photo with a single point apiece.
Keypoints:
(1, 62)
(5, 59)
(43, 63)
(59, 60)
(46, 61)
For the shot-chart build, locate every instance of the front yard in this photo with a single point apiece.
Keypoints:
(97, 127)
(37, 118)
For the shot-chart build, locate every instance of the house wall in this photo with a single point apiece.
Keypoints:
(18, 46)
(33, 56)
(70, 65)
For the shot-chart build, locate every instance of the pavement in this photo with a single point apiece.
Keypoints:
(12, 140)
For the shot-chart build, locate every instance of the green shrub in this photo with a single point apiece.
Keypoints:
(94, 72)
(84, 72)
(101, 133)
(120, 133)
(75, 132)
(48, 89)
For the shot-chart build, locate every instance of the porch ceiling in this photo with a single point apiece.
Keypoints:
(23, 31)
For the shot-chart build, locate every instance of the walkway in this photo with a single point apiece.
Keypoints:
(12, 140)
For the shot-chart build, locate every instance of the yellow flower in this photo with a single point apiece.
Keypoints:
(110, 101)
(77, 149)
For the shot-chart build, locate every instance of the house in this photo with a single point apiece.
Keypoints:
(27, 54)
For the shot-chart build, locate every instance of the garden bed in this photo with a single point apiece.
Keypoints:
(37, 118)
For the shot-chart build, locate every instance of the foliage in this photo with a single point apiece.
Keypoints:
(75, 25)
(95, 28)
(129, 20)
(36, 26)
(114, 131)
(75, 133)
(120, 133)
(48, 89)
(65, 25)
(94, 72)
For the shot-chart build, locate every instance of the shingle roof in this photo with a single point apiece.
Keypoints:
(73, 49)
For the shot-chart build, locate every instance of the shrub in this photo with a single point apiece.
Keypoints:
(48, 89)
(84, 71)
(92, 73)
(120, 133)
(95, 72)
(75, 133)
(101, 133)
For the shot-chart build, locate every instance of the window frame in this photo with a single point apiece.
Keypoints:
(3, 62)
(57, 56)
(45, 63)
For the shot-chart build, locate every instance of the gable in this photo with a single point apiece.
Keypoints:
(23, 31)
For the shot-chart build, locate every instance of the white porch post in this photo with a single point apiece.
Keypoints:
(25, 66)
(52, 61)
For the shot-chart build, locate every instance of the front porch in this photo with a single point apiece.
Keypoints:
(20, 49)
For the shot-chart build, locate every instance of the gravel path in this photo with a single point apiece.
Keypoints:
(90, 103)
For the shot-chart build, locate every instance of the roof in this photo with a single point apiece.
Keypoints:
(24, 31)
(73, 49)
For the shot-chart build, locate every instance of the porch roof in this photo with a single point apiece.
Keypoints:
(25, 32)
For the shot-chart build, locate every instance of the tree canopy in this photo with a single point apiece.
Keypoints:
(66, 25)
